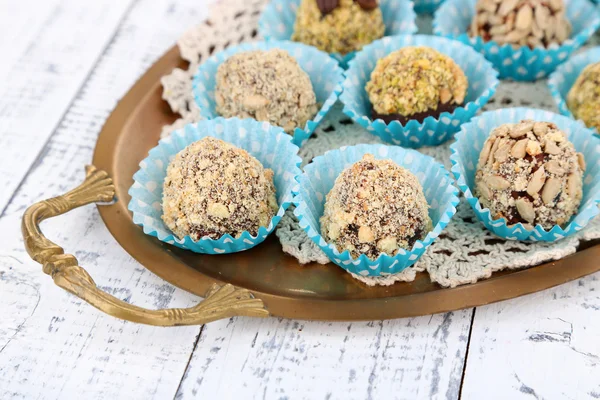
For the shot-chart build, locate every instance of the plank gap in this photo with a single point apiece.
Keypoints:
(187, 365)
(464, 370)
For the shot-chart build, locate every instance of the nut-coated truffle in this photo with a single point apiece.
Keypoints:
(346, 27)
(584, 97)
(213, 188)
(416, 80)
(375, 207)
(530, 173)
(532, 23)
(267, 86)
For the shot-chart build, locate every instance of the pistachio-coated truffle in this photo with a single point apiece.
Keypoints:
(584, 97)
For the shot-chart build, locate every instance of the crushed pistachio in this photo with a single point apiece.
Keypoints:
(584, 97)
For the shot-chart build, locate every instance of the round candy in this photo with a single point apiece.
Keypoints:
(375, 207)
(530, 173)
(267, 86)
(338, 26)
(584, 97)
(415, 82)
(533, 23)
(213, 188)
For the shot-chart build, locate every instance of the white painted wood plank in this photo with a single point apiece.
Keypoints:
(542, 346)
(51, 344)
(40, 85)
(415, 358)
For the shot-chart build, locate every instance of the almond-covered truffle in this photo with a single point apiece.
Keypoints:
(375, 207)
(530, 173)
(267, 86)
(533, 23)
(584, 97)
(415, 82)
(213, 188)
(338, 26)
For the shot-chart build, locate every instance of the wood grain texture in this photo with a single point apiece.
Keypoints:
(38, 88)
(51, 344)
(414, 358)
(542, 346)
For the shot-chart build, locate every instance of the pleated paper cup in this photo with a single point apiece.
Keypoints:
(454, 17)
(325, 75)
(269, 145)
(318, 180)
(562, 80)
(433, 130)
(465, 155)
(278, 19)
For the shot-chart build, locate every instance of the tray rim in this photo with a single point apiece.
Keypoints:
(502, 286)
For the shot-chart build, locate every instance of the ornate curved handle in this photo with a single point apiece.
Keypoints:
(220, 302)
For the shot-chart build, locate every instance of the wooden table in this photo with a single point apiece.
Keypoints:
(64, 66)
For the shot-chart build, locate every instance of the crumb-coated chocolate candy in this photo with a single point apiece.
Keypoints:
(533, 23)
(414, 82)
(375, 207)
(530, 173)
(267, 86)
(213, 188)
(584, 97)
(338, 26)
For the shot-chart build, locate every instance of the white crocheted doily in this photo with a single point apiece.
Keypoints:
(464, 253)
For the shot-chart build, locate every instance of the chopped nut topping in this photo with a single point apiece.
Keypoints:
(584, 97)
(393, 215)
(213, 188)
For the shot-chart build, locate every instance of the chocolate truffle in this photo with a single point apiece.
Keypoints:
(415, 82)
(530, 173)
(338, 26)
(375, 207)
(267, 86)
(533, 23)
(213, 188)
(584, 97)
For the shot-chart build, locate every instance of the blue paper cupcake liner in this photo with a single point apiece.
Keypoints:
(324, 72)
(319, 177)
(269, 145)
(564, 77)
(432, 131)
(278, 19)
(426, 6)
(454, 17)
(465, 155)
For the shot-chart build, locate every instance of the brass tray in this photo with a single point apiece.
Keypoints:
(259, 282)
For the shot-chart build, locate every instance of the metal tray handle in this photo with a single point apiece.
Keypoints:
(221, 301)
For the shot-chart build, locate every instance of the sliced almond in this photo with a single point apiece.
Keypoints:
(524, 18)
(498, 30)
(550, 29)
(525, 209)
(551, 147)
(485, 153)
(553, 167)
(518, 150)
(507, 6)
(445, 96)
(484, 191)
(490, 160)
(537, 182)
(496, 182)
(581, 161)
(521, 129)
(574, 186)
(563, 31)
(556, 5)
(541, 15)
(551, 190)
(503, 151)
(516, 35)
(536, 31)
(540, 129)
